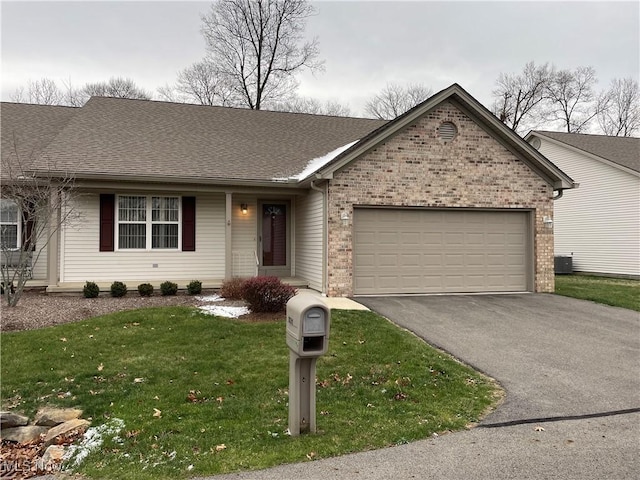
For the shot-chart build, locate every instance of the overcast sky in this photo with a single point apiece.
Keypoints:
(364, 44)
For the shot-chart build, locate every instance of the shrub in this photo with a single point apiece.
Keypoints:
(118, 289)
(91, 290)
(145, 289)
(232, 289)
(194, 287)
(267, 294)
(168, 288)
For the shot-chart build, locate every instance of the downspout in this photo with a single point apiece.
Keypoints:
(325, 234)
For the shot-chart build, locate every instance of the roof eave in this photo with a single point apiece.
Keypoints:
(239, 182)
(534, 133)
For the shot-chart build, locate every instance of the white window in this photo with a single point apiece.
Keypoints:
(148, 222)
(9, 224)
(164, 222)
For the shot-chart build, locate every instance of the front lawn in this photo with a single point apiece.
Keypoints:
(610, 291)
(200, 395)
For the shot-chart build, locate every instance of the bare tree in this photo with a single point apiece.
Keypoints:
(619, 108)
(518, 97)
(395, 99)
(203, 84)
(43, 92)
(37, 207)
(571, 98)
(258, 47)
(118, 87)
(297, 104)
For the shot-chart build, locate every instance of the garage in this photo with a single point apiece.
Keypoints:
(405, 251)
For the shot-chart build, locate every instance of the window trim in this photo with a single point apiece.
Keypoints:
(148, 223)
(18, 224)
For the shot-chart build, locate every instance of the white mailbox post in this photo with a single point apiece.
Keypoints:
(308, 321)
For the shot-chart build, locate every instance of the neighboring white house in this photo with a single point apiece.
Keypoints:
(599, 222)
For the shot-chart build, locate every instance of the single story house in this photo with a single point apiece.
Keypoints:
(443, 199)
(598, 225)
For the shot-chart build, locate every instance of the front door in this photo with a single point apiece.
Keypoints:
(273, 239)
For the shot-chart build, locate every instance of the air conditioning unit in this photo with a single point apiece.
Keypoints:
(563, 265)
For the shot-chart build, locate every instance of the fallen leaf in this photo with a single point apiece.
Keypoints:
(220, 399)
(539, 429)
(220, 447)
(230, 382)
(100, 367)
(138, 380)
(63, 339)
(311, 455)
(157, 413)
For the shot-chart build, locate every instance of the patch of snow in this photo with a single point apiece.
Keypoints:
(210, 298)
(224, 311)
(92, 440)
(317, 163)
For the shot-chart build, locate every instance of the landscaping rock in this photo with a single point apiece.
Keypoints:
(52, 455)
(23, 434)
(64, 429)
(10, 420)
(50, 417)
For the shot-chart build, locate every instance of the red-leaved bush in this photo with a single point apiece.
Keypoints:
(232, 289)
(266, 294)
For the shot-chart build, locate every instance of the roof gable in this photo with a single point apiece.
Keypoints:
(471, 107)
(623, 151)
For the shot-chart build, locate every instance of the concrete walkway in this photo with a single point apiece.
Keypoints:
(338, 303)
(571, 370)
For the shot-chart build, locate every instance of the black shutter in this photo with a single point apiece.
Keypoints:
(188, 224)
(107, 221)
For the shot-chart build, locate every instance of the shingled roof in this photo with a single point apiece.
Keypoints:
(26, 131)
(624, 151)
(142, 139)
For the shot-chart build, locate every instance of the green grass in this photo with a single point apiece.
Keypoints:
(610, 291)
(378, 386)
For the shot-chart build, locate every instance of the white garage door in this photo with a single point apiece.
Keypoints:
(439, 251)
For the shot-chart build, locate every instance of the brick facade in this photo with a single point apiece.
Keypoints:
(415, 168)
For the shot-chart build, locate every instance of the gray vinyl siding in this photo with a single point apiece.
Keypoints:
(39, 267)
(244, 242)
(599, 222)
(81, 259)
(309, 239)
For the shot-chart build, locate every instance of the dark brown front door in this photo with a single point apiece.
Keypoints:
(274, 239)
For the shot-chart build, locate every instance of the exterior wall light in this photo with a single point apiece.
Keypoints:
(548, 222)
(244, 208)
(344, 216)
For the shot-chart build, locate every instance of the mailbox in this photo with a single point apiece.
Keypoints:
(308, 321)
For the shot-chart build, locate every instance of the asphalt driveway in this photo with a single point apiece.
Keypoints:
(571, 371)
